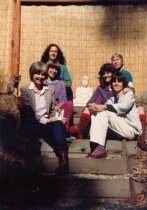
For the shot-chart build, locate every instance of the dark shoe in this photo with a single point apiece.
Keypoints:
(142, 146)
(93, 145)
(63, 168)
(99, 152)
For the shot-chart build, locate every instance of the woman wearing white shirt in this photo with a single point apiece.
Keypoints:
(118, 114)
(36, 119)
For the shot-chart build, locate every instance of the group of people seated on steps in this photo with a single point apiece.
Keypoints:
(105, 91)
(111, 108)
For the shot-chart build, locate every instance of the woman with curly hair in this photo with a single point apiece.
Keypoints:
(53, 54)
(100, 96)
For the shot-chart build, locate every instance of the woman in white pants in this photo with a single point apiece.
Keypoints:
(118, 114)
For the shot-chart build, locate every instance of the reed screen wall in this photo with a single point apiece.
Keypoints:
(87, 34)
(6, 14)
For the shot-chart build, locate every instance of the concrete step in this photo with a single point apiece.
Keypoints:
(77, 112)
(124, 148)
(118, 161)
(88, 186)
(107, 178)
(78, 109)
(84, 165)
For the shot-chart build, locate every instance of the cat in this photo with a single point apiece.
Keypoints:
(12, 86)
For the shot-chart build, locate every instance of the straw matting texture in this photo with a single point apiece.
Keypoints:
(5, 41)
(88, 35)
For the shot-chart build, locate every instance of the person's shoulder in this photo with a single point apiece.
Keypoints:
(25, 87)
(131, 93)
(61, 64)
(125, 71)
(58, 82)
(50, 88)
(102, 88)
(63, 67)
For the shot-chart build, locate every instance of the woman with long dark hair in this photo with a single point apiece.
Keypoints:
(102, 93)
(53, 54)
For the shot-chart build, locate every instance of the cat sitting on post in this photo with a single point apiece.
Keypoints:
(12, 86)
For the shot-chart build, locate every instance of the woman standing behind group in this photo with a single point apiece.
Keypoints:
(53, 54)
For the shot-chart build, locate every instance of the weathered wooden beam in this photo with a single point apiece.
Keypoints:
(16, 26)
(62, 1)
(88, 1)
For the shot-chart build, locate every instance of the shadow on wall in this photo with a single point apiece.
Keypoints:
(124, 21)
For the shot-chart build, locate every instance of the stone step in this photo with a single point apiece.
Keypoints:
(124, 148)
(78, 110)
(84, 165)
(73, 186)
(107, 178)
(88, 186)
(118, 160)
(81, 185)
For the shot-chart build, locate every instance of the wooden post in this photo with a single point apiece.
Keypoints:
(16, 26)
